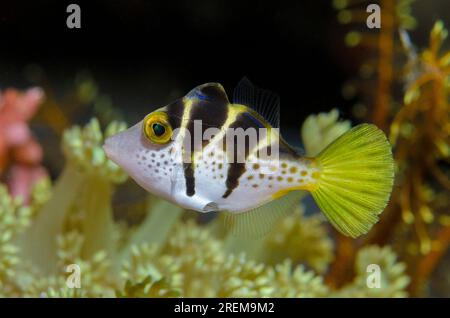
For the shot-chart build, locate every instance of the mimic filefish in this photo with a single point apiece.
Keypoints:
(205, 153)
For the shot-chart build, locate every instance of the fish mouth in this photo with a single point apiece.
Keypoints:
(210, 207)
(108, 148)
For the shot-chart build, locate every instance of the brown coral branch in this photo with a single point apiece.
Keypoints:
(439, 175)
(428, 263)
(341, 270)
(382, 231)
(385, 62)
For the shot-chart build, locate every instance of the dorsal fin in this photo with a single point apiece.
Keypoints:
(264, 102)
(211, 92)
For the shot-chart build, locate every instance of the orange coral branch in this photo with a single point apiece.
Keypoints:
(440, 177)
(341, 270)
(428, 263)
(385, 62)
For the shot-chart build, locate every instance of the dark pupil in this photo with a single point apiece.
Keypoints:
(158, 129)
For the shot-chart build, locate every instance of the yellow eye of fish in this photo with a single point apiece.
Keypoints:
(156, 128)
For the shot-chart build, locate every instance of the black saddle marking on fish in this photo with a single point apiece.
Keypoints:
(190, 178)
(235, 171)
(237, 167)
(175, 112)
(212, 110)
(210, 106)
(264, 102)
(213, 92)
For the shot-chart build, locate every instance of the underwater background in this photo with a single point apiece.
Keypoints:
(62, 91)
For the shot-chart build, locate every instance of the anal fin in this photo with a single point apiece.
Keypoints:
(258, 222)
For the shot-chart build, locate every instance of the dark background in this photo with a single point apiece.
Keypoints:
(144, 54)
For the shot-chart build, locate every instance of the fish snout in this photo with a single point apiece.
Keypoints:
(110, 148)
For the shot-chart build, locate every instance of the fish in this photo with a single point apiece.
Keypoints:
(190, 153)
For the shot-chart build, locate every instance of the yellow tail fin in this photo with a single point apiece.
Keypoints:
(357, 174)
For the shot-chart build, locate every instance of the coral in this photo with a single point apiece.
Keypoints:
(148, 288)
(145, 261)
(393, 280)
(83, 192)
(240, 277)
(14, 218)
(318, 131)
(300, 239)
(381, 45)
(420, 134)
(83, 149)
(20, 153)
(198, 254)
(415, 222)
(293, 281)
(95, 281)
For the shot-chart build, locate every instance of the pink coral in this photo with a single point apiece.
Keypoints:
(20, 153)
